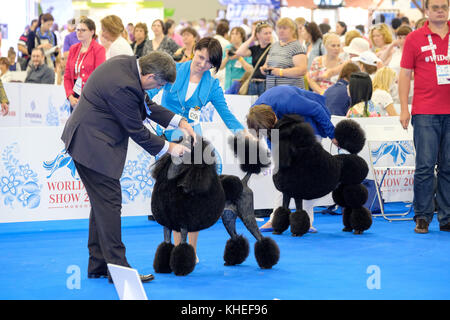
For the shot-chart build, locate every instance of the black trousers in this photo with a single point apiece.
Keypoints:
(105, 235)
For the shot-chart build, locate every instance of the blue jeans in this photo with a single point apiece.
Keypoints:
(256, 88)
(432, 143)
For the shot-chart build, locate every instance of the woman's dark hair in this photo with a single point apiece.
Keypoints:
(241, 32)
(314, 31)
(343, 25)
(169, 23)
(222, 28)
(90, 24)
(44, 18)
(214, 50)
(191, 31)
(162, 25)
(360, 87)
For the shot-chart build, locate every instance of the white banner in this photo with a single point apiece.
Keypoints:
(38, 180)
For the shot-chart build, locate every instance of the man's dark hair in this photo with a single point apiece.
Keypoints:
(40, 50)
(160, 64)
(395, 23)
(214, 50)
(360, 27)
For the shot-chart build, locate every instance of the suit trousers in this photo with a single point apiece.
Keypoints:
(105, 235)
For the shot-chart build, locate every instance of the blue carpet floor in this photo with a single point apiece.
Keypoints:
(389, 261)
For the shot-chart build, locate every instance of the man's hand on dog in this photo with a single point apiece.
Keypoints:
(177, 150)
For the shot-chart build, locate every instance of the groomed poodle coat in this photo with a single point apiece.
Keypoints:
(190, 196)
(305, 171)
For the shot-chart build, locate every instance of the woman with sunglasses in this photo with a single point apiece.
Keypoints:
(84, 57)
(380, 37)
(193, 89)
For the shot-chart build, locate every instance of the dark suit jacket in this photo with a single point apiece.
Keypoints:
(110, 110)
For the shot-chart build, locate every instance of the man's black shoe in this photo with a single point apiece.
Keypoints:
(144, 278)
(97, 275)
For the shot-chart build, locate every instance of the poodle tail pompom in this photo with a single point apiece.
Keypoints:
(350, 136)
(253, 157)
(280, 221)
(267, 253)
(236, 251)
(183, 259)
(161, 263)
(232, 186)
(300, 223)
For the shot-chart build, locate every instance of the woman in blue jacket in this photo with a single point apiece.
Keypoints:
(193, 89)
(281, 100)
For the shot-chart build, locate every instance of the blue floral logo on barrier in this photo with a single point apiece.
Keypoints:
(137, 178)
(19, 183)
(62, 160)
(207, 113)
(399, 151)
(53, 116)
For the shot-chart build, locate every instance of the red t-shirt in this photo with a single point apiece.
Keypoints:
(429, 97)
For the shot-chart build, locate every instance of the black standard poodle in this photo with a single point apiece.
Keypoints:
(189, 196)
(305, 171)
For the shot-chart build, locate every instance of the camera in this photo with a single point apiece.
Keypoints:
(269, 71)
(232, 52)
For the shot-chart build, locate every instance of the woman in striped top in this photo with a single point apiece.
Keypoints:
(286, 63)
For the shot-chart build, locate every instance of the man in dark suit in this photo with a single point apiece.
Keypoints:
(111, 110)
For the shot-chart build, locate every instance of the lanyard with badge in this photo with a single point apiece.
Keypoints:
(79, 83)
(442, 71)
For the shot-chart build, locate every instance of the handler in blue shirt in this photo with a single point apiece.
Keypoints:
(293, 100)
(281, 100)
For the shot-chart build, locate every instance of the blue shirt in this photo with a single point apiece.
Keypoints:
(208, 90)
(293, 100)
(337, 99)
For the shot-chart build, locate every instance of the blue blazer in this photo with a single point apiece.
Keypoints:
(293, 100)
(208, 90)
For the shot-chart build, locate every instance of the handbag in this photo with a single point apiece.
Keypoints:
(246, 81)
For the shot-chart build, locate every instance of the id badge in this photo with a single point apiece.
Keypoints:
(443, 74)
(194, 114)
(77, 86)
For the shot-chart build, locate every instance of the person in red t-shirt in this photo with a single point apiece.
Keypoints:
(427, 53)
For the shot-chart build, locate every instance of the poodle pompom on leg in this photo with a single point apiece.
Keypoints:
(237, 250)
(267, 253)
(300, 223)
(161, 263)
(346, 219)
(183, 258)
(361, 220)
(280, 221)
